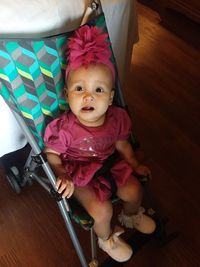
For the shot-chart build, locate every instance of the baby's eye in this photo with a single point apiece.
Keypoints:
(79, 88)
(99, 90)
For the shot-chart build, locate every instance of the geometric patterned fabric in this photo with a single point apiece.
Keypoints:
(32, 77)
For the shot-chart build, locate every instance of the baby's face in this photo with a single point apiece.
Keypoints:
(89, 93)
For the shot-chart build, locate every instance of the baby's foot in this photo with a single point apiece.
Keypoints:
(139, 221)
(116, 247)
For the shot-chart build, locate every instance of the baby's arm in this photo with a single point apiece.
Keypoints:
(64, 183)
(125, 149)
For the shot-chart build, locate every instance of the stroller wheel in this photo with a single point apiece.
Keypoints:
(14, 179)
(16, 173)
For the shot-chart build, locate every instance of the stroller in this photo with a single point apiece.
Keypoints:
(31, 83)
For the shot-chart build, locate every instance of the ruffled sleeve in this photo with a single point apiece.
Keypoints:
(55, 137)
(123, 123)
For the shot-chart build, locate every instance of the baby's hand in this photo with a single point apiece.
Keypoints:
(65, 186)
(143, 170)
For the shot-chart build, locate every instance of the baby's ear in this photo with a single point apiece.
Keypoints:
(65, 91)
(112, 96)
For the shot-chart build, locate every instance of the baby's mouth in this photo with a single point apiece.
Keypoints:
(87, 109)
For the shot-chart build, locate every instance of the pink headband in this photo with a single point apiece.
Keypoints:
(88, 46)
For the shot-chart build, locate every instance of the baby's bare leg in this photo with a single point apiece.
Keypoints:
(131, 193)
(100, 211)
(132, 215)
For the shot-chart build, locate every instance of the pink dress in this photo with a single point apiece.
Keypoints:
(83, 149)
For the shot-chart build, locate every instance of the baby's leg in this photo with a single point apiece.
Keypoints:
(101, 212)
(132, 215)
(131, 193)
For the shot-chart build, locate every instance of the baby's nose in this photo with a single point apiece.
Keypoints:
(88, 96)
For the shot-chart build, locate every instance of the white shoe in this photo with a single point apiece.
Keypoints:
(116, 247)
(139, 221)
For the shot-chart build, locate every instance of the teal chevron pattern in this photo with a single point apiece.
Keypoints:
(32, 77)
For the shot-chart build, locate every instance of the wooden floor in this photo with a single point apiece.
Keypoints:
(163, 95)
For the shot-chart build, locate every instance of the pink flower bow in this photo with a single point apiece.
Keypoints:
(88, 46)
